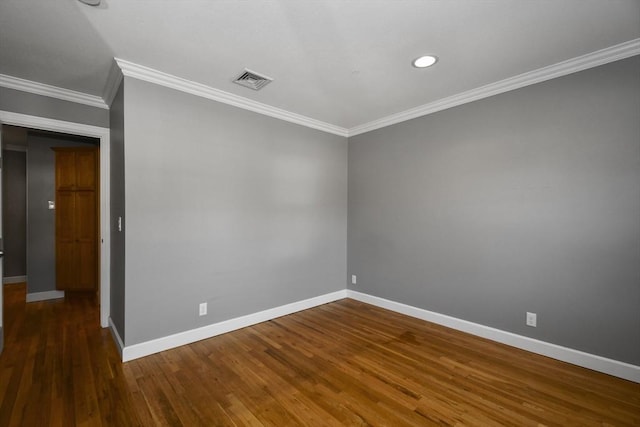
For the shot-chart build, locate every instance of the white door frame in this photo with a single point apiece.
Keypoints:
(36, 122)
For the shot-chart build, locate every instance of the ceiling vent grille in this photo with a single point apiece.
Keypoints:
(252, 80)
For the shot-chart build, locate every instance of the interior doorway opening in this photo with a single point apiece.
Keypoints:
(102, 135)
(33, 216)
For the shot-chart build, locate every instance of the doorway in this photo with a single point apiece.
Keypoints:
(102, 134)
(35, 215)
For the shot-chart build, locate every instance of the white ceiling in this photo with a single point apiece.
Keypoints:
(341, 62)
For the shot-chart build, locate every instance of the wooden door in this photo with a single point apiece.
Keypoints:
(77, 218)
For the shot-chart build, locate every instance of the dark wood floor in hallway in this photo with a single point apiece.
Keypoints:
(344, 363)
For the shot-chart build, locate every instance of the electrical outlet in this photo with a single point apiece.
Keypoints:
(532, 319)
(354, 279)
(203, 308)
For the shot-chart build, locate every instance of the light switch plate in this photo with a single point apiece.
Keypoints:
(52, 204)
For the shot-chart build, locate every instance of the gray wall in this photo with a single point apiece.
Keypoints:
(14, 212)
(43, 106)
(226, 206)
(41, 220)
(526, 201)
(116, 185)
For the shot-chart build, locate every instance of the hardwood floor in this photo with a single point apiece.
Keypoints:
(344, 363)
(58, 366)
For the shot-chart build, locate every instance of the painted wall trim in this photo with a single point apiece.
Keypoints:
(43, 296)
(14, 279)
(36, 122)
(105, 228)
(150, 75)
(575, 357)
(13, 147)
(165, 343)
(116, 336)
(43, 89)
(122, 67)
(24, 120)
(113, 82)
(590, 60)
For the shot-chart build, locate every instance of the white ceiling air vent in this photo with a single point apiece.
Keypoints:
(252, 80)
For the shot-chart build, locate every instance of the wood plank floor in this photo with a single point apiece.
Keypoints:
(344, 363)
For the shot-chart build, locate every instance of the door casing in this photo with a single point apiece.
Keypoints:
(43, 123)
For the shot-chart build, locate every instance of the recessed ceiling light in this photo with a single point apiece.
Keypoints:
(424, 61)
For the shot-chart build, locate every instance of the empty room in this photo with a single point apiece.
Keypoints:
(320, 213)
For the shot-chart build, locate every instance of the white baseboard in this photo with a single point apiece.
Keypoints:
(597, 363)
(43, 296)
(116, 336)
(14, 279)
(575, 357)
(165, 343)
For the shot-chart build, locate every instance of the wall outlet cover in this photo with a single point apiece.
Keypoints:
(532, 319)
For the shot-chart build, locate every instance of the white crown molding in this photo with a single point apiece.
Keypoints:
(569, 355)
(182, 338)
(150, 75)
(590, 60)
(16, 83)
(122, 67)
(113, 83)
